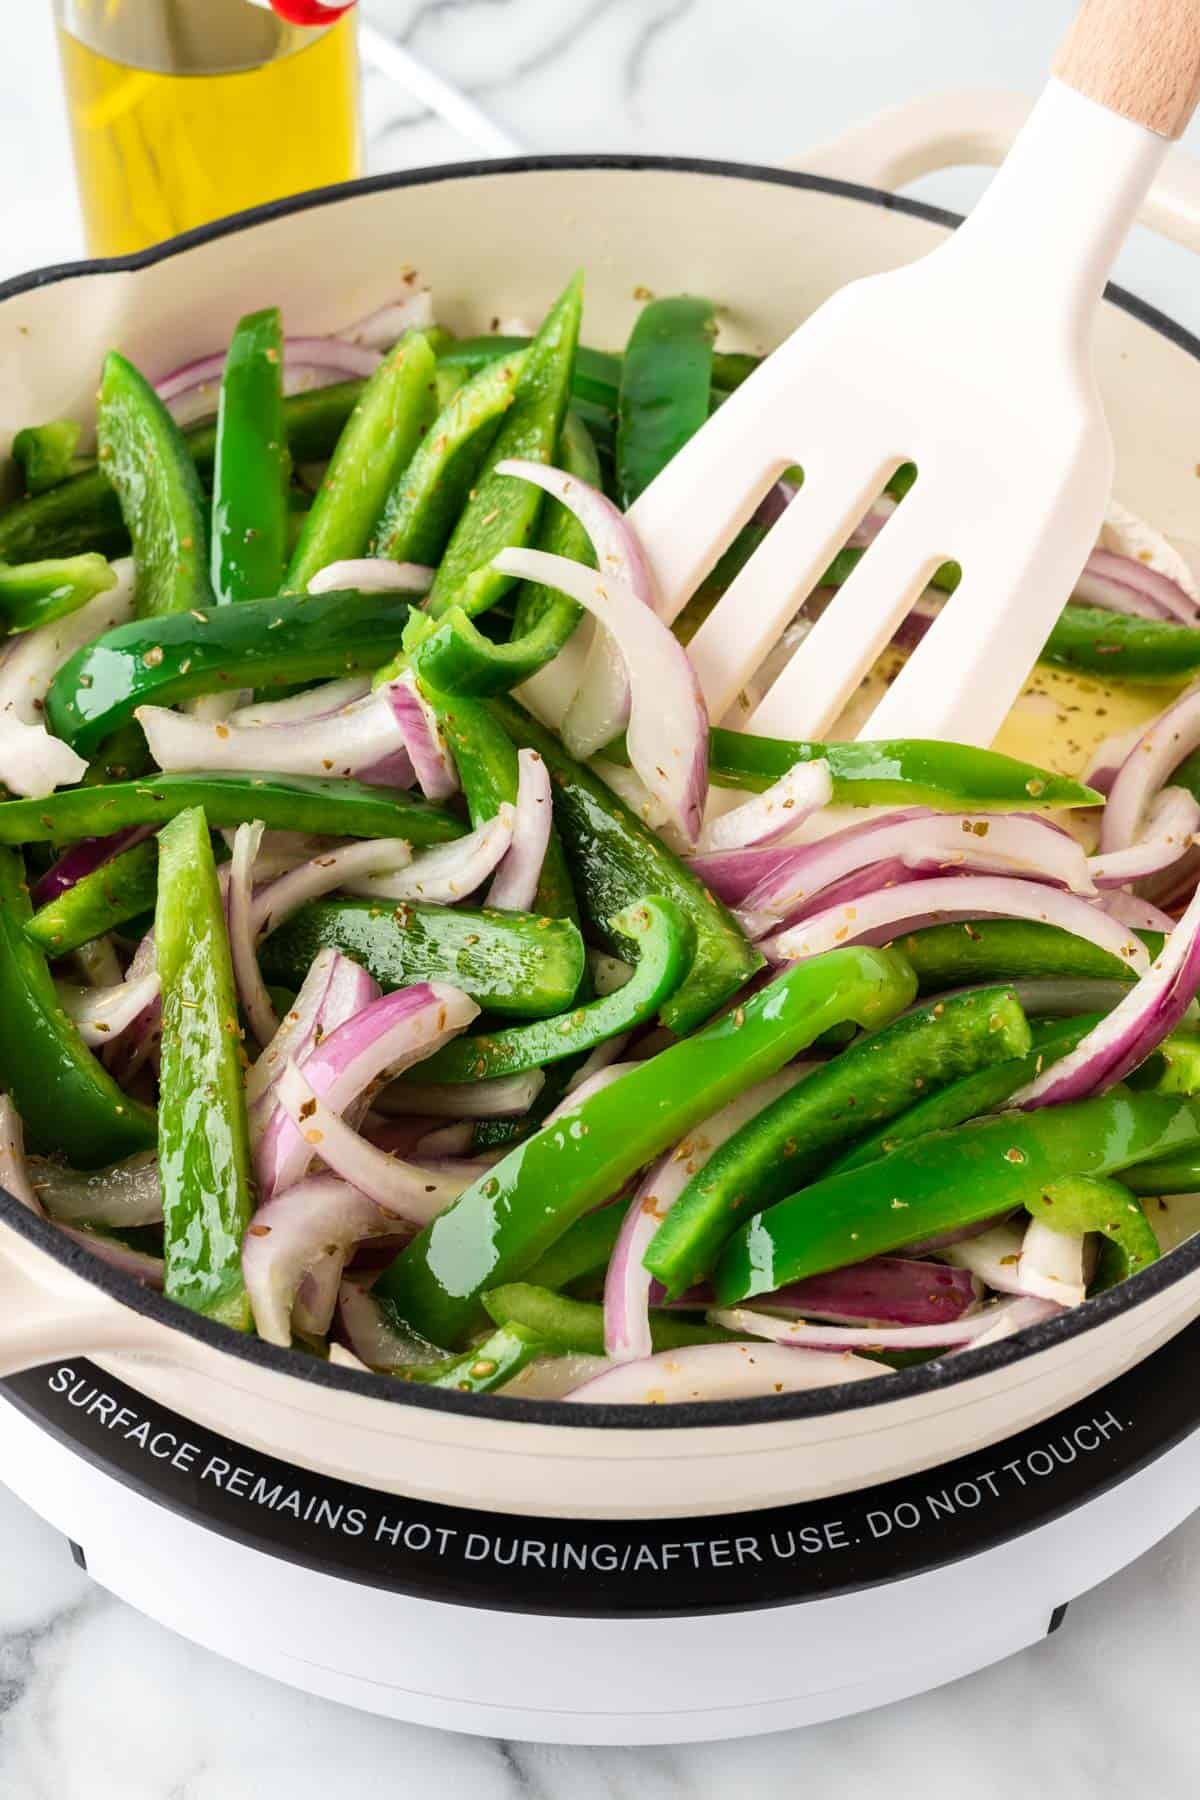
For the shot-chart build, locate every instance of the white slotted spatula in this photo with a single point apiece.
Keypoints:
(975, 364)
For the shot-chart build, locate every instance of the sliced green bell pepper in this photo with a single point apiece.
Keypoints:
(203, 1138)
(507, 1219)
(946, 956)
(518, 964)
(84, 513)
(578, 1325)
(583, 1249)
(46, 454)
(252, 466)
(146, 457)
(382, 435)
(503, 511)
(119, 890)
(37, 593)
(596, 378)
(666, 376)
(779, 1149)
(499, 1358)
(615, 860)
(1122, 648)
(1082, 1203)
(946, 1181)
(261, 643)
(68, 1102)
(317, 803)
(665, 939)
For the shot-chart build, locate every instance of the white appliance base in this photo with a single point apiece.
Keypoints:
(580, 1680)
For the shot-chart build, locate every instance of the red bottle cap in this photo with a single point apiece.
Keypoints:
(311, 12)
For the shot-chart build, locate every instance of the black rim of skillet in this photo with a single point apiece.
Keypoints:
(905, 1384)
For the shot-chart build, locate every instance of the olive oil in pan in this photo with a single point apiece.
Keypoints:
(184, 110)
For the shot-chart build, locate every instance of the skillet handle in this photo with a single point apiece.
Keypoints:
(47, 1311)
(978, 125)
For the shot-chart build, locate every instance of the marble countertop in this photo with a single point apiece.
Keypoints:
(97, 1703)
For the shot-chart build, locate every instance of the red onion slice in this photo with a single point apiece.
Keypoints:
(370, 1337)
(192, 391)
(123, 1196)
(1172, 819)
(1051, 1264)
(514, 887)
(1138, 914)
(289, 1234)
(101, 1015)
(805, 789)
(414, 1194)
(881, 916)
(668, 724)
(387, 1036)
(1009, 1317)
(962, 1330)
(602, 1057)
(1151, 1010)
(887, 1290)
(553, 1377)
(315, 703)
(243, 938)
(14, 1170)
(627, 1284)
(427, 750)
(721, 1372)
(149, 1270)
(352, 742)
(1123, 584)
(1156, 754)
(322, 874)
(992, 1256)
(448, 873)
(502, 1097)
(84, 858)
(380, 329)
(334, 990)
(373, 575)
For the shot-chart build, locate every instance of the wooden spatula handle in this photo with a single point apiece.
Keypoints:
(1140, 58)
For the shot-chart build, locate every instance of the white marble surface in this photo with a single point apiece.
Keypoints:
(98, 1704)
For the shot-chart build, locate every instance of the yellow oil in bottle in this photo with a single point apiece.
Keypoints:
(184, 110)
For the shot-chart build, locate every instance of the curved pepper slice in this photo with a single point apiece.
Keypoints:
(38, 593)
(578, 1325)
(502, 510)
(488, 1366)
(203, 1136)
(1121, 648)
(45, 454)
(946, 956)
(261, 643)
(316, 803)
(111, 895)
(666, 942)
(781, 1147)
(68, 1102)
(614, 860)
(1083, 1203)
(952, 1179)
(596, 378)
(506, 1220)
(84, 513)
(418, 514)
(666, 376)
(145, 456)
(394, 411)
(252, 464)
(453, 655)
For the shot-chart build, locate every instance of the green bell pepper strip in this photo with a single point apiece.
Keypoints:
(666, 376)
(502, 512)
(946, 1181)
(985, 1091)
(615, 860)
(578, 1325)
(252, 467)
(1081, 1203)
(488, 1366)
(454, 655)
(68, 1102)
(145, 456)
(665, 939)
(46, 454)
(84, 513)
(946, 956)
(486, 759)
(419, 513)
(505, 1221)
(297, 638)
(596, 378)
(517, 964)
(782, 1147)
(1118, 648)
(125, 756)
(203, 1138)
(316, 803)
(119, 890)
(1179, 1174)
(382, 435)
(1175, 1066)
(582, 1250)
(899, 772)
(38, 593)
